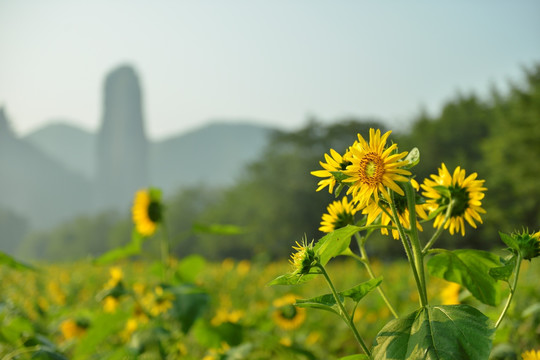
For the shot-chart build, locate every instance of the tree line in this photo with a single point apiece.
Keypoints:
(274, 202)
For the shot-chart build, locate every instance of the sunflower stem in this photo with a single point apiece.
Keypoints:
(343, 312)
(165, 251)
(364, 259)
(512, 291)
(440, 229)
(408, 248)
(415, 242)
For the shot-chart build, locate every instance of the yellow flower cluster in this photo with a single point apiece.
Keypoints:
(373, 171)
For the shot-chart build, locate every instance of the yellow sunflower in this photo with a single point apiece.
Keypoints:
(374, 168)
(465, 192)
(374, 210)
(147, 211)
(531, 355)
(71, 328)
(334, 163)
(340, 214)
(286, 315)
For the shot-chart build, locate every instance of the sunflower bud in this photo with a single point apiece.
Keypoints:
(304, 258)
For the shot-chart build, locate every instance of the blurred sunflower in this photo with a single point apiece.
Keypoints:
(466, 194)
(450, 294)
(147, 211)
(531, 355)
(158, 301)
(71, 328)
(334, 163)
(340, 214)
(382, 209)
(374, 168)
(286, 315)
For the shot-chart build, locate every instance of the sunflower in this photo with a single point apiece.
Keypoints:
(147, 211)
(465, 192)
(286, 315)
(340, 214)
(531, 355)
(382, 209)
(374, 168)
(304, 257)
(71, 328)
(334, 163)
(450, 294)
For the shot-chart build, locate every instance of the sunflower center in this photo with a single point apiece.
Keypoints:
(154, 211)
(288, 311)
(371, 169)
(343, 219)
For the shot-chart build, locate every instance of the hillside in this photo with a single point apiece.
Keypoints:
(213, 155)
(68, 144)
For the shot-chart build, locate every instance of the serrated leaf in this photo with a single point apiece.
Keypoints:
(444, 332)
(504, 272)
(413, 158)
(334, 243)
(359, 291)
(469, 268)
(291, 279)
(509, 241)
(323, 302)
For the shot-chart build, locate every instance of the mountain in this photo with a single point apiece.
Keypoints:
(35, 185)
(68, 144)
(212, 155)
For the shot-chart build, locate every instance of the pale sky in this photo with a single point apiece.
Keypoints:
(274, 62)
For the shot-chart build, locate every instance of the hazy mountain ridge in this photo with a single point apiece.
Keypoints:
(61, 157)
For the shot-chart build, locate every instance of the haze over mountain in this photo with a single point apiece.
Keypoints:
(61, 171)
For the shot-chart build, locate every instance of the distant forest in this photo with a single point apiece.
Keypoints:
(275, 203)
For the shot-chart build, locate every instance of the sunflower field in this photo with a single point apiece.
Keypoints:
(212, 311)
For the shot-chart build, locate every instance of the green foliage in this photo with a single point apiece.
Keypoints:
(446, 332)
(471, 269)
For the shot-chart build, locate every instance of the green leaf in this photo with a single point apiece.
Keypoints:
(291, 279)
(355, 357)
(413, 158)
(217, 229)
(190, 302)
(190, 267)
(339, 176)
(504, 272)
(101, 329)
(446, 332)
(359, 291)
(443, 190)
(509, 241)
(131, 249)
(334, 243)
(469, 268)
(323, 302)
(10, 261)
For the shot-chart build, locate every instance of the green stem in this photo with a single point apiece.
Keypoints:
(365, 260)
(512, 291)
(165, 252)
(415, 242)
(440, 229)
(344, 314)
(406, 246)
